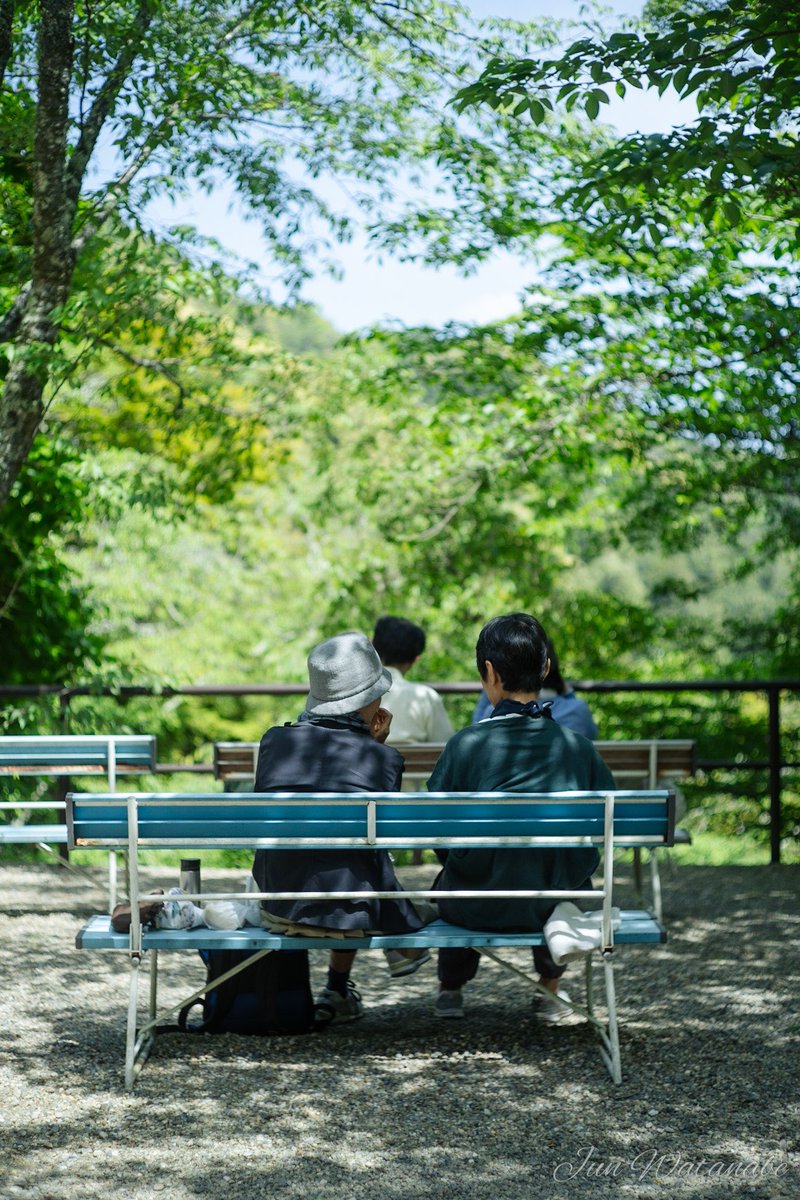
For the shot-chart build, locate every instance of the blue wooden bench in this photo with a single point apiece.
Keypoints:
(644, 763)
(388, 820)
(63, 756)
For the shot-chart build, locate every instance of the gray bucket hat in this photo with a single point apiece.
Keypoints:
(345, 674)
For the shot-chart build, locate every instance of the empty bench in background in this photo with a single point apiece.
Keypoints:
(65, 756)
(385, 820)
(650, 763)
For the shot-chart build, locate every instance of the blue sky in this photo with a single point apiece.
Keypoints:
(371, 291)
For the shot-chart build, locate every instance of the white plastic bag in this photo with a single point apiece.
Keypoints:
(570, 933)
(234, 914)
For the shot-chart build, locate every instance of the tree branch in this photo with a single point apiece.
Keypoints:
(105, 99)
(95, 219)
(52, 214)
(159, 366)
(453, 511)
(11, 320)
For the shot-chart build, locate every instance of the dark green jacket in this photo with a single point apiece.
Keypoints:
(515, 753)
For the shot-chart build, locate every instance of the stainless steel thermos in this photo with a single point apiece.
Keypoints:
(190, 875)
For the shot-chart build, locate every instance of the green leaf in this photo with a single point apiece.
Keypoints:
(732, 212)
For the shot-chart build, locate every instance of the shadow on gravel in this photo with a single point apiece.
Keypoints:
(401, 1105)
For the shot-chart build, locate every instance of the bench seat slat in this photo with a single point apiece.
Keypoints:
(637, 928)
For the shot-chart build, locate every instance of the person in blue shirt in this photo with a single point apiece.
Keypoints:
(566, 708)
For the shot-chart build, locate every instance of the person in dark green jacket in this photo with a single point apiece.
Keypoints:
(519, 748)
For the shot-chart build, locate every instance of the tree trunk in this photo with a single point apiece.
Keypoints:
(21, 406)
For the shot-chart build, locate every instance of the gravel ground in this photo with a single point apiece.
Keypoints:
(399, 1105)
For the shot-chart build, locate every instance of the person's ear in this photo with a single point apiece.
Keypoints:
(546, 670)
(490, 675)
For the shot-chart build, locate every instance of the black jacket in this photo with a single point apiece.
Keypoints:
(313, 757)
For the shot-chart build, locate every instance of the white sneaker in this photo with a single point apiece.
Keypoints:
(551, 1009)
(406, 962)
(332, 1008)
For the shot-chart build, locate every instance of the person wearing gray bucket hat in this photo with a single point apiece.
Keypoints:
(336, 745)
(344, 675)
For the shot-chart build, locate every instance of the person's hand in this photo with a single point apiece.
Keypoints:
(381, 724)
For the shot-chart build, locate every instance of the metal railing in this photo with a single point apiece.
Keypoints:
(774, 764)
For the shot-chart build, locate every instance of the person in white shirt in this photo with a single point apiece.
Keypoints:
(418, 713)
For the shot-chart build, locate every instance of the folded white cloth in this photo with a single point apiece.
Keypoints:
(570, 933)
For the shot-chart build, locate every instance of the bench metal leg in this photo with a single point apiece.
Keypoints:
(609, 1036)
(112, 880)
(655, 882)
(66, 864)
(139, 1039)
(637, 873)
(589, 986)
(607, 1031)
(137, 1045)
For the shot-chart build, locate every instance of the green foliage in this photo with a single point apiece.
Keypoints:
(620, 458)
(674, 291)
(734, 167)
(169, 363)
(271, 100)
(45, 613)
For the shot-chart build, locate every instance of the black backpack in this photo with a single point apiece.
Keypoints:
(273, 996)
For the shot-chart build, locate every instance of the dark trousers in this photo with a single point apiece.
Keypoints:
(459, 964)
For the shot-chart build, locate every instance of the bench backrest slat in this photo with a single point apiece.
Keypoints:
(648, 762)
(76, 754)
(387, 819)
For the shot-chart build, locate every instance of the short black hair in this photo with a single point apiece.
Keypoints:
(398, 640)
(517, 647)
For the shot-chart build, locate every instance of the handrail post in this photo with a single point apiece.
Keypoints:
(774, 698)
(63, 784)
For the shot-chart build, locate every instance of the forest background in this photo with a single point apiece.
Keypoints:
(205, 483)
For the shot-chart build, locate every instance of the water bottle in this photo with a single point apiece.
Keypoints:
(190, 876)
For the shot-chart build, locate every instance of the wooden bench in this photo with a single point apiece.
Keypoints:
(236, 762)
(650, 763)
(388, 820)
(647, 763)
(64, 756)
